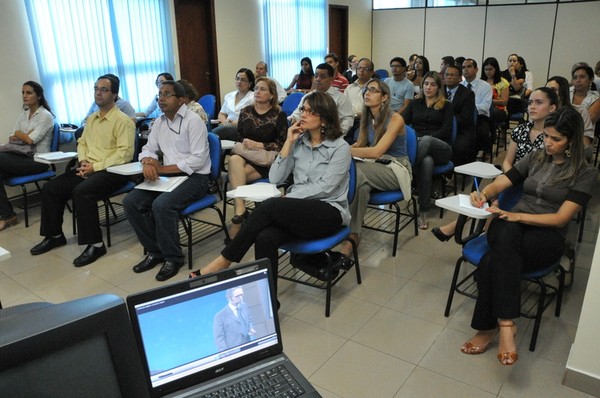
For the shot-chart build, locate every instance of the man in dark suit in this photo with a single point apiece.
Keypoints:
(463, 102)
(232, 326)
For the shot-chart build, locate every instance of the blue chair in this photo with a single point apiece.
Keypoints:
(323, 245)
(35, 178)
(374, 219)
(533, 301)
(194, 230)
(209, 103)
(290, 103)
(382, 73)
(447, 168)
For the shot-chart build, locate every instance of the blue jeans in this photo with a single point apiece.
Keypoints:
(154, 216)
(431, 152)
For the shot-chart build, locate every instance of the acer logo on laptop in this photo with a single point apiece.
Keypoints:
(219, 370)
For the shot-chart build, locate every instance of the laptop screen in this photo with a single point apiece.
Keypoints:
(200, 328)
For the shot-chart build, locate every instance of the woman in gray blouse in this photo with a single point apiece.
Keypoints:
(316, 205)
(557, 183)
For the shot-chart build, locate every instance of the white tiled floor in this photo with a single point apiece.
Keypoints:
(387, 337)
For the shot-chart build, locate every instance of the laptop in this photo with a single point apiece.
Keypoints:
(218, 333)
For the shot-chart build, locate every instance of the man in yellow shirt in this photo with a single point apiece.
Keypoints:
(107, 140)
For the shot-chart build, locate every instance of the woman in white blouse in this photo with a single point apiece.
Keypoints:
(34, 127)
(233, 103)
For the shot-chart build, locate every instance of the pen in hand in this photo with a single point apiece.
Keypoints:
(478, 193)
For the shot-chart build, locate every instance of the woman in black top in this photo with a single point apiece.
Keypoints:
(431, 117)
(557, 183)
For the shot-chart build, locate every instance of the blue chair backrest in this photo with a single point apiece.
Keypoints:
(352, 183)
(209, 103)
(290, 103)
(214, 144)
(509, 197)
(54, 145)
(382, 73)
(411, 144)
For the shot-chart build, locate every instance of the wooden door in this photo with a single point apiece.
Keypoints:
(197, 44)
(338, 34)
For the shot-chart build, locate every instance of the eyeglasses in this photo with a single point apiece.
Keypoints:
(241, 79)
(166, 95)
(371, 89)
(238, 295)
(308, 111)
(103, 90)
(365, 68)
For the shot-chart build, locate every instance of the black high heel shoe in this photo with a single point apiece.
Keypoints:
(442, 237)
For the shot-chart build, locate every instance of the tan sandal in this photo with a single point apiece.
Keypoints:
(471, 349)
(505, 358)
(422, 220)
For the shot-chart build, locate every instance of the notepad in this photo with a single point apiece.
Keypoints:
(261, 190)
(163, 184)
(465, 201)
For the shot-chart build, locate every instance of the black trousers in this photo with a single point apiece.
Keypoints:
(278, 221)
(85, 193)
(12, 165)
(515, 248)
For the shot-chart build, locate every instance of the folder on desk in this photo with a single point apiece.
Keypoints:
(54, 157)
(163, 184)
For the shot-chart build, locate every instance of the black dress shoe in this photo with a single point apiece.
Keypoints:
(48, 244)
(148, 263)
(442, 237)
(168, 270)
(89, 255)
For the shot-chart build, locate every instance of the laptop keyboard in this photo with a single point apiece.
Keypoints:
(275, 382)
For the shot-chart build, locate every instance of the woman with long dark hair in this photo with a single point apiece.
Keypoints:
(233, 103)
(34, 127)
(431, 117)
(381, 136)
(303, 81)
(557, 183)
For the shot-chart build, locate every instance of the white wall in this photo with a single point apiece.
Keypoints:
(18, 62)
(523, 29)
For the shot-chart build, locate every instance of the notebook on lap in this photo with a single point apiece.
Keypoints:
(215, 335)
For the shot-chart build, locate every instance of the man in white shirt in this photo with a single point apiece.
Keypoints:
(483, 103)
(402, 90)
(262, 69)
(181, 136)
(354, 92)
(323, 78)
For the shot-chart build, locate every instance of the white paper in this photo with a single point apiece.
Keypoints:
(258, 190)
(163, 184)
(465, 201)
(58, 155)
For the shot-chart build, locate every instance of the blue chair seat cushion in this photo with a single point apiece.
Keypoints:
(444, 168)
(200, 204)
(474, 249)
(20, 180)
(302, 246)
(383, 198)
